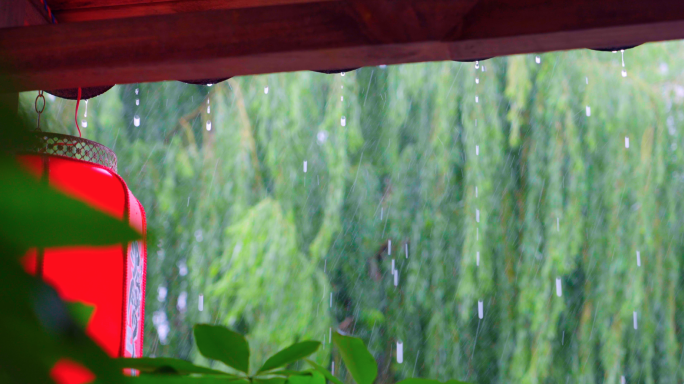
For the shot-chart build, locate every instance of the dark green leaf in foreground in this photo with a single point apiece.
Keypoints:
(359, 362)
(173, 379)
(290, 354)
(273, 380)
(81, 312)
(34, 215)
(220, 343)
(324, 372)
(166, 364)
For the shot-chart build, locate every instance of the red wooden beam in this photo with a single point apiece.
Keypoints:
(19, 13)
(323, 35)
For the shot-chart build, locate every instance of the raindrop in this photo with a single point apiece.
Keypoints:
(136, 91)
(136, 120)
(484, 69)
(382, 211)
(389, 247)
(333, 369)
(480, 310)
(182, 268)
(330, 299)
(209, 85)
(477, 215)
(392, 265)
(161, 293)
(477, 150)
(478, 258)
(586, 80)
(343, 121)
(635, 320)
(638, 259)
(383, 66)
(322, 136)
(341, 86)
(477, 64)
(626, 142)
(137, 101)
(477, 99)
(477, 80)
(200, 304)
(208, 125)
(476, 192)
(266, 90)
(182, 301)
(342, 74)
(400, 352)
(85, 112)
(208, 108)
(396, 278)
(537, 59)
(588, 110)
(624, 73)
(559, 288)
(304, 166)
(622, 52)
(84, 123)
(406, 249)
(622, 380)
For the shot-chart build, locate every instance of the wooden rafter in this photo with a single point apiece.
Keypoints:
(322, 35)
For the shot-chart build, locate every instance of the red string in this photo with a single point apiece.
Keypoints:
(78, 101)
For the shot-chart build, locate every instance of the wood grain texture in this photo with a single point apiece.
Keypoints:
(322, 35)
(68, 11)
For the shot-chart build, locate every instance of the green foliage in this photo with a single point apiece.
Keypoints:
(289, 355)
(224, 345)
(357, 359)
(166, 365)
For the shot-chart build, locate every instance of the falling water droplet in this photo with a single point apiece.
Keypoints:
(210, 84)
(333, 369)
(400, 352)
(137, 101)
(480, 309)
(559, 288)
(396, 278)
(624, 73)
(588, 110)
(406, 249)
(200, 304)
(477, 99)
(342, 74)
(476, 192)
(586, 80)
(136, 120)
(392, 265)
(84, 123)
(136, 91)
(389, 247)
(85, 112)
(208, 108)
(477, 64)
(484, 69)
(638, 259)
(635, 320)
(478, 258)
(305, 166)
(477, 150)
(477, 80)
(537, 59)
(266, 90)
(343, 121)
(208, 125)
(626, 142)
(477, 215)
(622, 52)
(382, 210)
(622, 380)
(341, 98)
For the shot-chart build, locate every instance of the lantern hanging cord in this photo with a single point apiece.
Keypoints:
(78, 101)
(40, 110)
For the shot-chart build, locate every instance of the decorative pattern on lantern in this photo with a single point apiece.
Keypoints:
(111, 278)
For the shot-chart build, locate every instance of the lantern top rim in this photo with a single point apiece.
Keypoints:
(57, 144)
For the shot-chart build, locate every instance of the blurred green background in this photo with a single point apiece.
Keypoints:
(416, 154)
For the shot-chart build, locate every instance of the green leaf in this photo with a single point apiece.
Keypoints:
(430, 381)
(299, 379)
(181, 367)
(359, 362)
(290, 354)
(172, 379)
(81, 312)
(35, 215)
(220, 343)
(324, 371)
(273, 380)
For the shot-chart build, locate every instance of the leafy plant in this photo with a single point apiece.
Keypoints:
(232, 349)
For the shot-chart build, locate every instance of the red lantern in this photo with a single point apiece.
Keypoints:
(110, 278)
